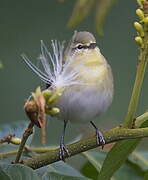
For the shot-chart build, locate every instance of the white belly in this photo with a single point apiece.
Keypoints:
(84, 105)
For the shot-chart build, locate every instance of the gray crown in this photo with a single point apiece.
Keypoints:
(83, 37)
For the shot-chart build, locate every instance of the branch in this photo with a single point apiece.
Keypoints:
(17, 141)
(110, 136)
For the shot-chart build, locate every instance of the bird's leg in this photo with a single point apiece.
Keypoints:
(99, 136)
(63, 148)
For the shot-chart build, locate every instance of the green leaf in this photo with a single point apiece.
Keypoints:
(1, 65)
(146, 176)
(127, 172)
(116, 157)
(60, 168)
(96, 158)
(18, 172)
(89, 171)
(102, 10)
(64, 168)
(81, 10)
(57, 176)
(3, 175)
(139, 158)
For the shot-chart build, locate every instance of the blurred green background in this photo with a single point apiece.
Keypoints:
(24, 23)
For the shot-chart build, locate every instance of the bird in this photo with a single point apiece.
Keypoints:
(84, 74)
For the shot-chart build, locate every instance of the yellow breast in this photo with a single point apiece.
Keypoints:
(91, 65)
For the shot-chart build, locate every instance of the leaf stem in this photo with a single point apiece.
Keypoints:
(141, 119)
(38, 150)
(137, 88)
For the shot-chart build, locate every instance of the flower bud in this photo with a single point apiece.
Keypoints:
(140, 14)
(47, 94)
(139, 28)
(16, 141)
(139, 40)
(53, 98)
(53, 111)
(145, 20)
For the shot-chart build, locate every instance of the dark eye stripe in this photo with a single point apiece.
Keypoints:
(91, 46)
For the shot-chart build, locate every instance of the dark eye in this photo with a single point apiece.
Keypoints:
(80, 47)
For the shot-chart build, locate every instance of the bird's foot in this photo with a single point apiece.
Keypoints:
(100, 138)
(63, 151)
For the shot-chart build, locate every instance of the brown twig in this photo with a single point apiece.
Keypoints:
(26, 134)
(7, 139)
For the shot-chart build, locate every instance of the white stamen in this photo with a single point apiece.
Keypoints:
(58, 71)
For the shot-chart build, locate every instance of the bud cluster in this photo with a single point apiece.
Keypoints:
(42, 103)
(141, 26)
(50, 98)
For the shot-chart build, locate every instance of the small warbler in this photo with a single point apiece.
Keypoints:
(84, 74)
